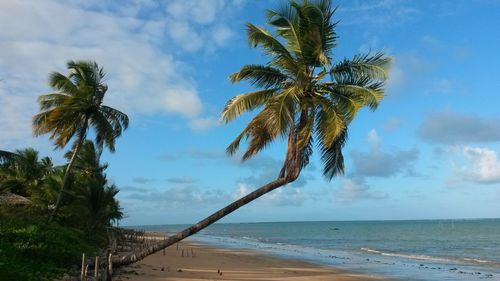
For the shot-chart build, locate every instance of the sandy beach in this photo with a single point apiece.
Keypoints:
(194, 261)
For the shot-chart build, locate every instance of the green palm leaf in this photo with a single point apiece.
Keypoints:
(245, 102)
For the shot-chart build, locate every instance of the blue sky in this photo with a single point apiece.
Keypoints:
(431, 150)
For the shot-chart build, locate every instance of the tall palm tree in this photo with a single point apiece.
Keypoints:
(93, 199)
(75, 107)
(305, 96)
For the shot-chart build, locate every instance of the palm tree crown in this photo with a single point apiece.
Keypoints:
(78, 105)
(305, 95)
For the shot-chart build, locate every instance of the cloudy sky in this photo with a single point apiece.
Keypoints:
(431, 150)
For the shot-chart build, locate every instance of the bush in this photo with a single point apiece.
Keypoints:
(34, 250)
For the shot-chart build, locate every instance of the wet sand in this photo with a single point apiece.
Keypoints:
(193, 262)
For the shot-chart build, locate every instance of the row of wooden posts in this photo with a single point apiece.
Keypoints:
(100, 268)
(103, 271)
(142, 245)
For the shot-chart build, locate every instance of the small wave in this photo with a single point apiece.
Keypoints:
(478, 260)
(249, 238)
(431, 258)
(408, 256)
(371, 251)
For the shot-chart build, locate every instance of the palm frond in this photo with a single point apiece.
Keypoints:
(235, 144)
(52, 100)
(375, 66)
(332, 157)
(118, 119)
(285, 20)
(317, 33)
(272, 47)
(245, 102)
(329, 125)
(369, 96)
(260, 76)
(62, 83)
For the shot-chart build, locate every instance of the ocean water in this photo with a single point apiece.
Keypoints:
(403, 250)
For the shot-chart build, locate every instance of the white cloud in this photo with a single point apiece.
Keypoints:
(179, 196)
(379, 163)
(184, 101)
(198, 11)
(282, 196)
(241, 191)
(450, 127)
(185, 35)
(393, 124)
(189, 20)
(352, 190)
(203, 123)
(377, 13)
(373, 138)
(482, 165)
(222, 34)
(286, 196)
(144, 76)
(404, 69)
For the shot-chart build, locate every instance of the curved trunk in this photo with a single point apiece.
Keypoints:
(131, 258)
(289, 173)
(81, 138)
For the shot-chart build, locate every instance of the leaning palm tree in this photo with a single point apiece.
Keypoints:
(75, 107)
(304, 95)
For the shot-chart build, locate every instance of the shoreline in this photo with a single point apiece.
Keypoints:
(195, 261)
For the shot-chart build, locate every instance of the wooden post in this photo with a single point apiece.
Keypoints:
(96, 268)
(192, 253)
(110, 263)
(109, 266)
(82, 272)
(182, 252)
(177, 247)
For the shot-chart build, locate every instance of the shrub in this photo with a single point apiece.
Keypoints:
(34, 250)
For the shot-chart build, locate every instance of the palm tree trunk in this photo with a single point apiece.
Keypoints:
(133, 257)
(81, 138)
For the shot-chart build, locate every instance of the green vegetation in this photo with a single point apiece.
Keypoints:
(31, 249)
(79, 193)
